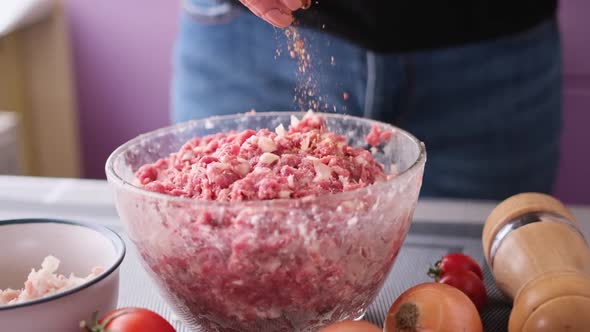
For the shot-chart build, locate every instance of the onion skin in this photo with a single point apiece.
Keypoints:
(433, 307)
(351, 326)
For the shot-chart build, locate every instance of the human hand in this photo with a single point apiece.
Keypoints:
(276, 12)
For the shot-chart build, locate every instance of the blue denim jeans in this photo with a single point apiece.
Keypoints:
(489, 113)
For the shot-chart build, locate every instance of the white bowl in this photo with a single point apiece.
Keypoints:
(80, 247)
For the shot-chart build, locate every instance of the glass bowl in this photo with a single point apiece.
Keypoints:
(275, 265)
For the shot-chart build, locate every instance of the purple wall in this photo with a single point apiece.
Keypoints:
(574, 179)
(122, 55)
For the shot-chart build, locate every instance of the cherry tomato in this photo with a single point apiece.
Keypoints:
(455, 262)
(433, 307)
(130, 320)
(351, 326)
(469, 283)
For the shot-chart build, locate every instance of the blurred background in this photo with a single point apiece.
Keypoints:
(79, 78)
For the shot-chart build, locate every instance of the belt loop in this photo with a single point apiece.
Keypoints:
(371, 85)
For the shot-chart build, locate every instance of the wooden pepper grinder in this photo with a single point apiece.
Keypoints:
(541, 260)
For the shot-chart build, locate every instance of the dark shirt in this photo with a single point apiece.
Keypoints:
(412, 25)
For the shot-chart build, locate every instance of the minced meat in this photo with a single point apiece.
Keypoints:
(304, 160)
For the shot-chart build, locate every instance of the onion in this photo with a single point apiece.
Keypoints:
(323, 172)
(268, 158)
(433, 307)
(280, 130)
(266, 144)
(294, 121)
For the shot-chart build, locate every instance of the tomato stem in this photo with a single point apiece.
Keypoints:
(435, 272)
(97, 326)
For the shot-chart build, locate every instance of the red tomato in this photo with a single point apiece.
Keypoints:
(469, 283)
(130, 320)
(455, 262)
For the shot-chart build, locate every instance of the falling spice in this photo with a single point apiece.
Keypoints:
(307, 90)
(307, 86)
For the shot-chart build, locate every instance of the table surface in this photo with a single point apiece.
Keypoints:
(91, 200)
(439, 226)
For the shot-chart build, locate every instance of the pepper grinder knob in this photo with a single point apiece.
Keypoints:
(540, 259)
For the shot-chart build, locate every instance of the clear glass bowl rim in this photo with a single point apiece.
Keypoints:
(120, 183)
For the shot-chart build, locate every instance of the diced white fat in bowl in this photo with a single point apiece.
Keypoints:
(80, 247)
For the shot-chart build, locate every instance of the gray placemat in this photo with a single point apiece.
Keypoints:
(426, 243)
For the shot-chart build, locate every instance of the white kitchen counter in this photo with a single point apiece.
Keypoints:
(91, 200)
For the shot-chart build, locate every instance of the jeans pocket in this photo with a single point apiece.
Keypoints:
(210, 11)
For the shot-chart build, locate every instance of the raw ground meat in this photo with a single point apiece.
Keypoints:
(45, 282)
(302, 161)
(377, 136)
(289, 266)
